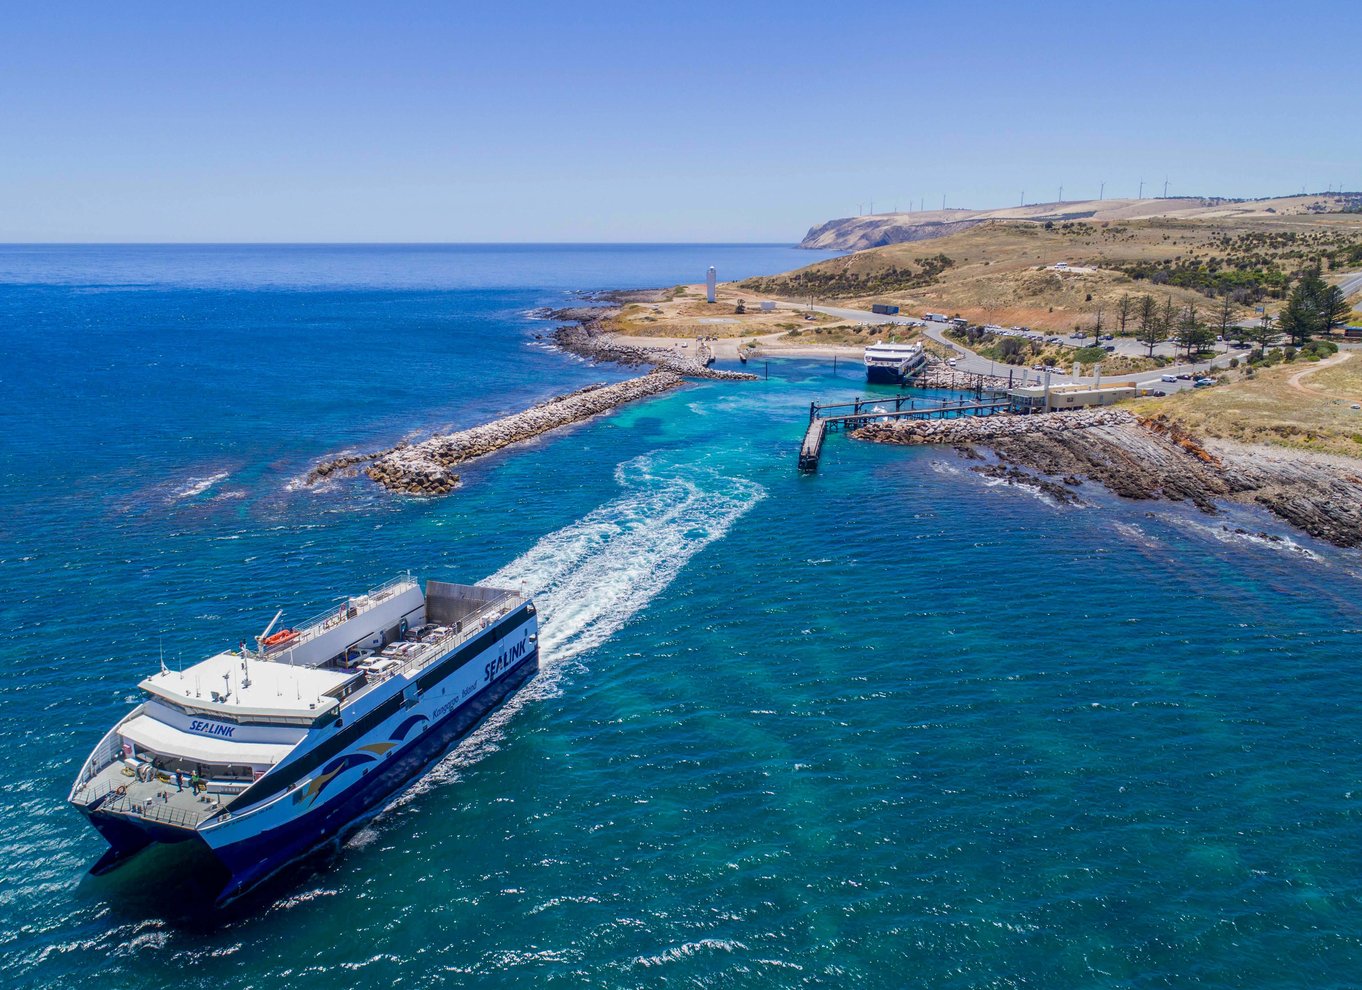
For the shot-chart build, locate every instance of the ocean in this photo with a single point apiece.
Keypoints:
(895, 724)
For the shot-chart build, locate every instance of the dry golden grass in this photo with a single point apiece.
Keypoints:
(1298, 405)
(685, 315)
(1003, 273)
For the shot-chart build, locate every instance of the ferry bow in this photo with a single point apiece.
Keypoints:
(263, 753)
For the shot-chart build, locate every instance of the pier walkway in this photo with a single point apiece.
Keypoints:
(827, 417)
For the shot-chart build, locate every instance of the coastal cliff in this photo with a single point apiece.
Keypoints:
(879, 229)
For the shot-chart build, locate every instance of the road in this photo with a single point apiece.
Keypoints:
(979, 365)
(1351, 284)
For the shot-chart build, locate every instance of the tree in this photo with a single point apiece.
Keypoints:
(1168, 318)
(1314, 307)
(1125, 309)
(1299, 319)
(1151, 332)
(1333, 308)
(1265, 334)
(1189, 330)
(1097, 327)
(1226, 316)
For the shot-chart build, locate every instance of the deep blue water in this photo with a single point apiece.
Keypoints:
(891, 725)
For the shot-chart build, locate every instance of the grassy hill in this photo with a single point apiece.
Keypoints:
(879, 229)
(1003, 271)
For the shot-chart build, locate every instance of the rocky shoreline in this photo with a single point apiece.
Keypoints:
(426, 468)
(1143, 458)
(584, 336)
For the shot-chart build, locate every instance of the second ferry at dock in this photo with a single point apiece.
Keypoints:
(893, 363)
(261, 754)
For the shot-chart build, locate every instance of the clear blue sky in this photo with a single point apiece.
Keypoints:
(700, 121)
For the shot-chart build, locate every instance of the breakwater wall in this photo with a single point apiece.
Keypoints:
(1147, 458)
(427, 467)
(940, 375)
(585, 340)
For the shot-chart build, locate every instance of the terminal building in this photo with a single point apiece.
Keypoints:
(1043, 398)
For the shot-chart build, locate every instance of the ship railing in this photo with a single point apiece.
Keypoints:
(348, 609)
(109, 749)
(473, 624)
(149, 809)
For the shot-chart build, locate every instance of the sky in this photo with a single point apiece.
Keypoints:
(505, 121)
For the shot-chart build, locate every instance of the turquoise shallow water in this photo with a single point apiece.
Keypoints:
(891, 725)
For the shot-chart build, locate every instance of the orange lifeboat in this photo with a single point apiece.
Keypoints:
(280, 638)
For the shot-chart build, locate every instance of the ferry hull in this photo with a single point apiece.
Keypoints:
(253, 859)
(884, 375)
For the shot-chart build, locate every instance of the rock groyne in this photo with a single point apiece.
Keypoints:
(427, 467)
(1146, 458)
(586, 339)
(940, 375)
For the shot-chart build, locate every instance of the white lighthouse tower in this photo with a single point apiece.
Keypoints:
(711, 279)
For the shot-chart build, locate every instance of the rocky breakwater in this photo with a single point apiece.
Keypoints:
(427, 467)
(940, 375)
(589, 341)
(1145, 458)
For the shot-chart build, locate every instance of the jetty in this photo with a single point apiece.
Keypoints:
(426, 468)
(828, 417)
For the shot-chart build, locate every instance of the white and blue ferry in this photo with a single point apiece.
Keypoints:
(264, 753)
(893, 363)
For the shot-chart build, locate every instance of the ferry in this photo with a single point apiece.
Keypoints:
(263, 753)
(892, 362)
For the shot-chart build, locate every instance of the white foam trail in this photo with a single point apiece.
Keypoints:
(590, 578)
(197, 486)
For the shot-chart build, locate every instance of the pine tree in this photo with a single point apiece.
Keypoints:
(1125, 309)
(1190, 330)
(1333, 307)
(1265, 334)
(1298, 319)
(1226, 317)
(1151, 329)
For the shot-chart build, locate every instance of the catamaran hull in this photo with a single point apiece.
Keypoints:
(254, 858)
(884, 374)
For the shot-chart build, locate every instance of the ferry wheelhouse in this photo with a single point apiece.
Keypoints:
(263, 753)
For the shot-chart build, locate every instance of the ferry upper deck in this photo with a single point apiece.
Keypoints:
(206, 733)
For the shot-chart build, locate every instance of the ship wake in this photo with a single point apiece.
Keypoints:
(590, 578)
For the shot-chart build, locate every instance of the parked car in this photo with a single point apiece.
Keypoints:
(1157, 391)
(1169, 378)
(1185, 377)
(1241, 346)
(1107, 336)
(1109, 348)
(1203, 382)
